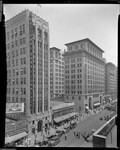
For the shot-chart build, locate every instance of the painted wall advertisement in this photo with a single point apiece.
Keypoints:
(14, 107)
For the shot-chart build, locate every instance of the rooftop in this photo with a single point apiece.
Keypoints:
(24, 11)
(110, 63)
(55, 48)
(86, 39)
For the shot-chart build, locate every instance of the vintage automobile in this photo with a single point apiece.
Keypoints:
(67, 128)
(54, 141)
(72, 126)
(59, 133)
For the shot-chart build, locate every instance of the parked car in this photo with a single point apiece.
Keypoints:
(59, 133)
(54, 141)
(67, 129)
(72, 126)
(50, 136)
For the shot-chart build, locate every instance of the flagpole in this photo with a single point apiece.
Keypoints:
(37, 7)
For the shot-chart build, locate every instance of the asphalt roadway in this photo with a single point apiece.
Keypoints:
(90, 122)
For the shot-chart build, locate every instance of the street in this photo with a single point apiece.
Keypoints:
(90, 122)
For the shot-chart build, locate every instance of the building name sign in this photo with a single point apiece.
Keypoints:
(12, 133)
(15, 126)
(14, 107)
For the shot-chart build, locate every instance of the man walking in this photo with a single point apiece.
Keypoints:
(65, 136)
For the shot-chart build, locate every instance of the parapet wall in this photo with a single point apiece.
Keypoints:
(104, 136)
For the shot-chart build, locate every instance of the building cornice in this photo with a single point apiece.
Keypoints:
(86, 39)
(83, 52)
(55, 48)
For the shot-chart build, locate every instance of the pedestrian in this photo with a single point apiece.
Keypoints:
(65, 136)
(76, 134)
(79, 136)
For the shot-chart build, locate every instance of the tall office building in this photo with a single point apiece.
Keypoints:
(27, 50)
(56, 72)
(110, 79)
(84, 74)
(116, 81)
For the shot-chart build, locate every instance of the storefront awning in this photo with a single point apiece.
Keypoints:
(73, 114)
(15, 137)
(58, 119)
(96, 104)
(62, 118)
(66, 116)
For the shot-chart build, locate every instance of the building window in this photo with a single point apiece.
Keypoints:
(76, 46)
(16, 52)
(73, 97)
(12, 34)
(24, 40)
(39, 33)
(20, 30)
(23, 28)
(20, 41)
(16, 43)
(15, 32)
(70, 48)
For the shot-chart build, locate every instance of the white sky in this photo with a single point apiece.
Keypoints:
(71, 22)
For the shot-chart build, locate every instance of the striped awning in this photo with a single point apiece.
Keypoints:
(15, 137)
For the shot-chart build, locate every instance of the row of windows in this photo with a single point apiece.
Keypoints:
(72, 86)
(15, 44)
(23, 61)
(17, 91)
(95, 74)
(91, 68)
(59, 91)
(16, 71)
(77, 86)
(22, 81)
(73, 92)
(94, 63)
(14, 32)
(73, 60)
(91, 49)
(22, 51)
(16, 99)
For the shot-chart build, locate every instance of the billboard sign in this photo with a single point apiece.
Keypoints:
(14, 107)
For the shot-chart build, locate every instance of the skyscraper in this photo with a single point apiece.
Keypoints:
(110, 79)
(27, 50)
(56, 72)
(84, 74)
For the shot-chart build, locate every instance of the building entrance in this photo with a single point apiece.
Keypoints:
(90, 103)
